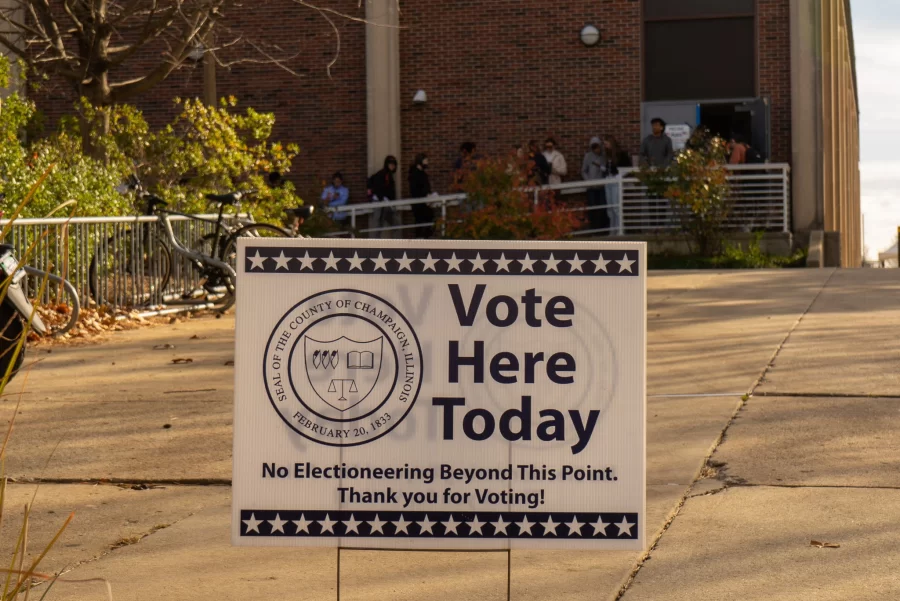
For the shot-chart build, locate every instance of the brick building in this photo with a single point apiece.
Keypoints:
(501, 72)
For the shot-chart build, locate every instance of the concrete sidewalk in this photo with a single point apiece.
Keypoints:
(712, 338)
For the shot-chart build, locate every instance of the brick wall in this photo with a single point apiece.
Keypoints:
(325, 116)
(497, 73)
(774, 56)
(501, 72)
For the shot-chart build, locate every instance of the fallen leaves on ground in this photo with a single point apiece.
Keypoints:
(95, 322)
(182, 360)
(163, 347)
(822, 545)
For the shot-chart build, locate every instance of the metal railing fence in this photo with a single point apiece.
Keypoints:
(117, 261)
(760, 200)
(122, 261)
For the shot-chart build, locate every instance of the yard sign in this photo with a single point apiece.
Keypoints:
(440, 395)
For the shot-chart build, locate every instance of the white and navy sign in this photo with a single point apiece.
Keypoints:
(440, 395)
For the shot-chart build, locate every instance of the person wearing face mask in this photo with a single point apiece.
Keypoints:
(383, 187)
(420, 187)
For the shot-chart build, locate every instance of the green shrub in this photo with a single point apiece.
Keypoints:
(205, 149)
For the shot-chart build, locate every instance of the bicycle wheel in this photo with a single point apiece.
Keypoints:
(67, 301)
(129, 270)
(254, 230)
(229, 255)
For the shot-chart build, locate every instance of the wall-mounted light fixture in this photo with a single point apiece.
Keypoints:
(590, 35)
(420, 98)
(197, 52)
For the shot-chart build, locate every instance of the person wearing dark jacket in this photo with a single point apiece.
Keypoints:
(420, 187)
(539, 168)
(656, 149)
(383, 187)
(616, 158)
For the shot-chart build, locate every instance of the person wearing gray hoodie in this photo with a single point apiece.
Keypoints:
(594, 167)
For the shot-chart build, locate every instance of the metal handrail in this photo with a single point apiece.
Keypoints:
(746, 180)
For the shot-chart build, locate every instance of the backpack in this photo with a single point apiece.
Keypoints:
(754, 157)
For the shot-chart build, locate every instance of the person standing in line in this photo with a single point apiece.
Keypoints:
(657, 153)
(383, 187)
(336, 195)
(656, 149)
(593, 167)
(538, 167)
(616, 159)
(464, 163)
(420, 187)
(556, 160)
(737, 151)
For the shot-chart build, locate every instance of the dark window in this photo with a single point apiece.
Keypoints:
(681, 9)
(699, 59)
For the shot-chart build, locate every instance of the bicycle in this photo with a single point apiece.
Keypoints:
(135, 266)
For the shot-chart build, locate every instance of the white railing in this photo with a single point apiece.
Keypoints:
(112, 261)
(115, 260)
(760, 200)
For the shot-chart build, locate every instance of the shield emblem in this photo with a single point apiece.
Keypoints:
(343, 372)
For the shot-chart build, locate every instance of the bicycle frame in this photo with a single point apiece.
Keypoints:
(163, 219)
(220, 226)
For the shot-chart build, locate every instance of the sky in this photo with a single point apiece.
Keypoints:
(876, 29)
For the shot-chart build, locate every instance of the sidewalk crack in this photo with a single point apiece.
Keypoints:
(626, 584)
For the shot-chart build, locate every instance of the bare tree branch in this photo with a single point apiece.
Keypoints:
(92, 43)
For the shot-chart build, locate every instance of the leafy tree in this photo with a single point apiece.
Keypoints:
(72, 175)
(205, 149)
(500, 207)
(696, 183)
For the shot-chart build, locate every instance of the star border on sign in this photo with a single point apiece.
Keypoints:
(526, 526)
(500, 525)
(355, 261)
(574, 526)
(625, 264)
(453, 263)
(477, 263)
(252, 524)
(402, 525)
(550, 526)
(450, 525)
(306, 262)
(376, 525)
(281, 262)
(600, 264)
(599, 526)
(625, 526)
(552, 264)
(527, 263)
(380, 262)
(327, 524)
(575, 264)
(428, 263)
(352, 525)
(476, 525)
(331, 261)
(405, 263)
(277, 524)
(423, 527)
(302, 524)
(258, 261)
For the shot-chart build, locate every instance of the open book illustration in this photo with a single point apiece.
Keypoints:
(360, 360)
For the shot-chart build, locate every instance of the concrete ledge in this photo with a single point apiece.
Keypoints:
(772, 243)
(816, 256)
